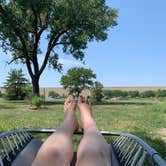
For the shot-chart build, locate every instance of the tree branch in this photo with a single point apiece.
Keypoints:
(51, 45)
(35, 42)
(14, 59)
(37, 38)
(1, 8)
(36, 20)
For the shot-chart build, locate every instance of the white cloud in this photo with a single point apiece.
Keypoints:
(70, 63)
(67, 63)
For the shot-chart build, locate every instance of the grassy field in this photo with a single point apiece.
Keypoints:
(145, 118)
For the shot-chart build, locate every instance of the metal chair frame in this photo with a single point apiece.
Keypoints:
(129, 149)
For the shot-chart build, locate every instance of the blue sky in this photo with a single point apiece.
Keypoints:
(133, 55)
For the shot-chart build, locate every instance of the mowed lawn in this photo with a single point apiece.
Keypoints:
(145, 118)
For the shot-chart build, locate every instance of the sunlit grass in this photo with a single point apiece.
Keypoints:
(142, 117)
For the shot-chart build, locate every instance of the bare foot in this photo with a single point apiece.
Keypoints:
(70, 111)
(85, 110)
(69, 104)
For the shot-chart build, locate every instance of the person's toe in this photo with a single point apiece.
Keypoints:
(67, 102)
(80, 99)
(69, 99)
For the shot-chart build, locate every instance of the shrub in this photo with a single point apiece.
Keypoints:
(133, 94)
(53, 94)
(0, 94)
(124, 94)
(148, 93)
(37, 101)
(161, 93)
(107, 94)
(96, 91)
(114, 93)
(117, 93)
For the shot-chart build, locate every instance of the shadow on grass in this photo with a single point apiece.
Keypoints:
(61, 102)
(53, 103)
(103, 103)
(16, 101)
(121, 103)
(5, 106)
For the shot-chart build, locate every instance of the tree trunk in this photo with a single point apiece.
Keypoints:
(36, 89)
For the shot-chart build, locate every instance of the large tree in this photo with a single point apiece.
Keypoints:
(70, 24)
(77, 79)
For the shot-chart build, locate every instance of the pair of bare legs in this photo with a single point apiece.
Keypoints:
(58, 149)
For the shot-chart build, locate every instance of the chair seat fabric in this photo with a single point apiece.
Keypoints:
(114, 160)
(28, 154)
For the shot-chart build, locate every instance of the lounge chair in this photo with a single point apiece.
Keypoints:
(19, 148)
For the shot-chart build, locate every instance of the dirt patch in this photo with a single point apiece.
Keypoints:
(162, 131)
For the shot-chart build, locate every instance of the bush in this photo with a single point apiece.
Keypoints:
(133, 94)
(107, 94)
(148, 93)
(114, 93)
(117, 93)
(96, 91)
(37, 101)
(124, 94)
(161, 93)
(53, 94)
(27, 90)
(0, 94)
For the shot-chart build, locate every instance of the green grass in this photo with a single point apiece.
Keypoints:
(142, 117)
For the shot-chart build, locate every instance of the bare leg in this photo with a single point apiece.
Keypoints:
(93, 149)
(58, 148)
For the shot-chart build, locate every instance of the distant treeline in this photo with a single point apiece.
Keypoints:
(133, 94)
(107, 94)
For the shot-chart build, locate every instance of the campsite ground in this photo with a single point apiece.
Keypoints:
(145, 118)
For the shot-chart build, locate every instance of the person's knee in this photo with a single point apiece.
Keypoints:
(47, 156)
(49, 152)
(94, 152)
(91, 157)
(91, 152)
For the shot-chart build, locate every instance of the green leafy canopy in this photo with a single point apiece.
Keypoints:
(78, 79)
(63, 24)
(71, 23)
